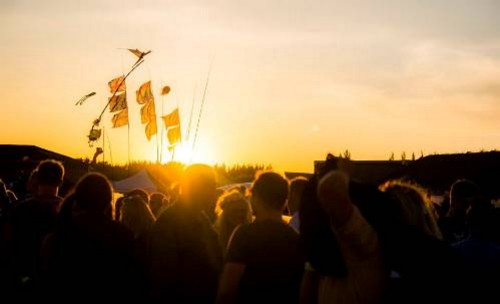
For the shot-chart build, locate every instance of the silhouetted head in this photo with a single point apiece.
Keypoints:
(136, 215)
(297, 186)
(156, 202)
(93, 193)
(269, 193)
(463, 194)
(50, 173)
(118, 208)
(139, 192)
(198, 188)
(233, 208)
(413, 207)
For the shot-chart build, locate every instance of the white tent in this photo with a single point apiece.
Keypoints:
(141, 180)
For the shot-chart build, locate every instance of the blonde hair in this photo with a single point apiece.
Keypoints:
(415, 207)
(229, 201)
(136, 215)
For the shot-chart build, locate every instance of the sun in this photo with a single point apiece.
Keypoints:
(185, 154)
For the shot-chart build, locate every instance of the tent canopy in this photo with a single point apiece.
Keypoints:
(140, 180)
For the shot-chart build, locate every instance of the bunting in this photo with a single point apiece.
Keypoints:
(117, 85)
(174, 135)
(118, 102)
(120, 119)
(148, 112)
(172, 119)
(144, 94)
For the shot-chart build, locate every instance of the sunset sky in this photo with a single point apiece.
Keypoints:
(291, 80)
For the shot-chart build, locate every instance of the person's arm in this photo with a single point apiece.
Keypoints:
(229, 283)
(333, 193)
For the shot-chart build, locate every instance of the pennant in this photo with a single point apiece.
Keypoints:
(165, 90)
(138, 53)
(148, 112)
(174, 135)
(120, 119)
(151, 129)
(118, 102)
(172, 119)
(144, 94)
(117, 84)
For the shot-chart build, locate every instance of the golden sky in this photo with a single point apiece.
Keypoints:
(291, 80)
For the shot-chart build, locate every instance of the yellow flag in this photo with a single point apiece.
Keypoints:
(172, 119)
(117, 84)
(120, 119)
(118, 102)
(148, 112)
(144, 94)
(151, 129)
(174, 135)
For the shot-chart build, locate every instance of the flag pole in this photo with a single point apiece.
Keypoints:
(103, 146)
(128, 142)
(202, 104)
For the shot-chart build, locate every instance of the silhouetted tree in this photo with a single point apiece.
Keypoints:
(391, 158)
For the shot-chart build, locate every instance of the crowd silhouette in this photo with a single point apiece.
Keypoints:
(326, 239)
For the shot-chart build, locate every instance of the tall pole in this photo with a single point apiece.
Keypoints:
(201, 107)
(103, 145)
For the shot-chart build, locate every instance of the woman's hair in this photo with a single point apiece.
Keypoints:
(136, 215)
(415, 209)
(93, 193)
(232, 200)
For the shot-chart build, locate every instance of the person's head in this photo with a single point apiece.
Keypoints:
(297, 186)
(463, 194)
(139, 192)
(93, 194)
(50, 174)
(269, 193)
(156, 202)
(197, 188)
(136, 215)
(413, 207)
(233, 209)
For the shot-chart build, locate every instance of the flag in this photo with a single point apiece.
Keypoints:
(120, 119)
(172, 119)
(144, 94)
(118, 102)
(136, 52)
(174, 135)
(165, 90)
(151, 129)
(148, 112)
(117, 84)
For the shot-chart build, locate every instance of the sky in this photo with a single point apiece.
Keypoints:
(290, 80)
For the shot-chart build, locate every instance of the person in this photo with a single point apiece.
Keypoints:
(232, 209)
(90, 256)
(31, 221)
(350, 268)
(414, 207)
(297, 186)
(264, 261)
(186, 256)
(481, 250)
(158, 202)
(454, 225)
(136, 215)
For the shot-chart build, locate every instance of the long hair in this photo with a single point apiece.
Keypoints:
(227, 203)
(414, 207)
(136, 215)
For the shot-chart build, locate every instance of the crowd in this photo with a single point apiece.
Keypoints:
(327, 239)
